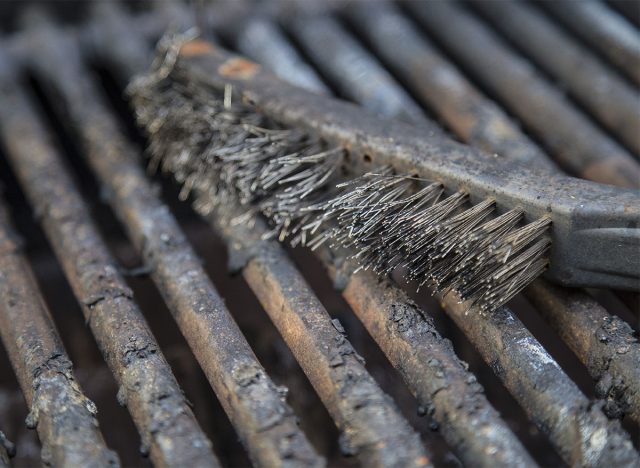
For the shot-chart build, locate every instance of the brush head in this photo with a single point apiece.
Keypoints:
(223, 149)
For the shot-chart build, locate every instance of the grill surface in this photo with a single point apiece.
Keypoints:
(188, 352)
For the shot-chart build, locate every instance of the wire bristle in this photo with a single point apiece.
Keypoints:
(225, 150)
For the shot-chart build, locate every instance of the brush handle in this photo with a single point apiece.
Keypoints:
(596, 227)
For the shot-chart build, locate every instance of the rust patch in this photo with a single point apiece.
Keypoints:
(239, 68)
(196, 47)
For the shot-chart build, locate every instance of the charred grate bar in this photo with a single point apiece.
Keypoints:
(372, 426)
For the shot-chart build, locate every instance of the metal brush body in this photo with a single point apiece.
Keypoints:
(595, 229)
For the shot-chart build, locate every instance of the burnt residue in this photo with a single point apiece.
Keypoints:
(577, 428)
(63, 416)
(371, 426)
(196, 306)
(439, 380)
(605, 344)
(166, 423)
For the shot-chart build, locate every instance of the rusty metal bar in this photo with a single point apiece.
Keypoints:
(262, 40)
(578, 429)
(64, 417)
(602, 91)
(604, 29)
(579, 145)
(7, 451)
(604, 343)
(428, 364)
(370, 424)
(440, 85)
(265, 423)
(628, 10)
(169, 430)
(354, 71)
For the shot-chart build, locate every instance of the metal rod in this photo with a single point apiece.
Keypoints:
(579, 146)
(603, 92)
(261, 39)
(543, 390)
(265, 423)
(354, 71)
(169, 430)
(604, 30)
(429, 366)
(7, 450)
(440, 85)
(604, 343)
(370, 424)
(63, 416)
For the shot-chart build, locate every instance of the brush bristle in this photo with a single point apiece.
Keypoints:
(225, 150)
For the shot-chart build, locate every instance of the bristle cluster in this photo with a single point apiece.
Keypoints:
(224, 149)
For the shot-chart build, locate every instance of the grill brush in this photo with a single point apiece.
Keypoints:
(320, 170)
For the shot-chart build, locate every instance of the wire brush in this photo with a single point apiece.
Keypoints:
(228, 149)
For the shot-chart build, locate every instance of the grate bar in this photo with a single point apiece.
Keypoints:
(7, 450)
(577, 144)
(255, 406)
(63, 416)
(371, 426)
(440, 85)
(605, 344)
(440, 381)
(597, 87)
(605, 30)
(543, 390)
(148, 388)
(354, 71)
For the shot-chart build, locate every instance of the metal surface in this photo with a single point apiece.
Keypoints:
(604, 93)
(63, 416)
(579, 146)
(370, 424)
(439, 380)
(441, 86)
(254, 404)
(169, 431)
(354, 71)
(603, 29)
(605, 344)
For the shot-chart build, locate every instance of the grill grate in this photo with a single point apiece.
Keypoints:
(51, 94)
